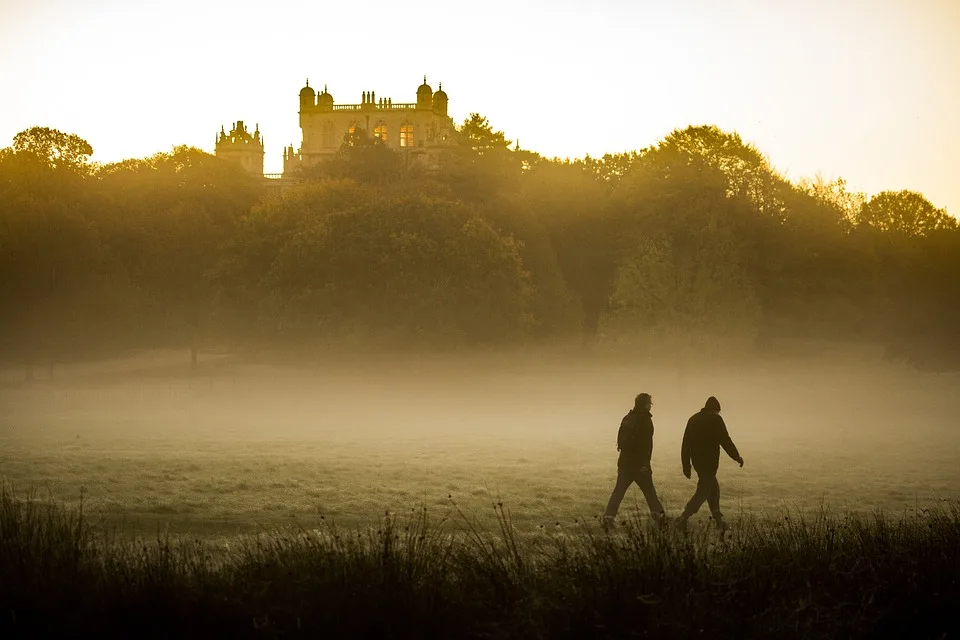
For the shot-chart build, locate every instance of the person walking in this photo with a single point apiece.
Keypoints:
(705, 434)
(635, 444)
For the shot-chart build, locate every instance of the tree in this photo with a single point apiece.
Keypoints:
(612, 166)
(906, 213)
(837, 204)
(335, 259)
(575, 210)
(56, 281)
(684, 270)
(670, 291)
(746, 172)
(54, 148)
(362, 158)
(480, 166)
(477, 133)
(176, 210)
(812, 275)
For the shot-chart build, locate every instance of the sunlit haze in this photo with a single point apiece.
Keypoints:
(406, 389)
(864, 91)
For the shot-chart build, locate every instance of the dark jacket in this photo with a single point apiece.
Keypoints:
(635, 439)
(705, 434)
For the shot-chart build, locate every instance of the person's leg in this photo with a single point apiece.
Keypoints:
(699, 497)
(713, 500)
(623, 483)
(645, 482)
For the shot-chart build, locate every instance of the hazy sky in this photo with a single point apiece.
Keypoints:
(869, 90)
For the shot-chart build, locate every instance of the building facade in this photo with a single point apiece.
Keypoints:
(241, 146)
(417, 130)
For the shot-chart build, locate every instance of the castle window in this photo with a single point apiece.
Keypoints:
(328, 135)
(380, 131)
(406, 135)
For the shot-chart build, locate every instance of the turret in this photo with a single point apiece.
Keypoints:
(241, 147)
(307, 96)
(424, 95)
(307, 101)
(325, 100)
(440, 101)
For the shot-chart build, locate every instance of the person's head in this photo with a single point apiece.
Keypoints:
(643, 402)
(712, 404)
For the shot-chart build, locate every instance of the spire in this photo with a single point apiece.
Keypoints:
(424, 78)
(440, 86)
(324, 88)
(308, 82)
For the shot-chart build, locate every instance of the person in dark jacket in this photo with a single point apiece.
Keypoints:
(635, 444)
(705, 434)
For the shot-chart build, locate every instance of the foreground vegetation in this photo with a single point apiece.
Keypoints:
(817, 577)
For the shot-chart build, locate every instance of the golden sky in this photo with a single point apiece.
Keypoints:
(866, 90)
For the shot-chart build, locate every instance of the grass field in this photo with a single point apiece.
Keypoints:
(362, 497)
(243, 445)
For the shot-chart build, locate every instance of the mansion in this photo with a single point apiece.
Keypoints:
(417, 130)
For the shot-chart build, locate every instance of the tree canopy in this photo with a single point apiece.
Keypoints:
(695, 240)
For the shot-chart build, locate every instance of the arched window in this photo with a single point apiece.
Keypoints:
(406, 135)
(380, 131)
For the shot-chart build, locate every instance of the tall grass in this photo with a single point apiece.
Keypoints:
(822, 576)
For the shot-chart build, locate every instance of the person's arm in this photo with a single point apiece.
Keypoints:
(727, 443)
(646, 440)
(685, 450)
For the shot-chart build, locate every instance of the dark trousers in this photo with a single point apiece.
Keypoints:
(643, 476)
(708, 490)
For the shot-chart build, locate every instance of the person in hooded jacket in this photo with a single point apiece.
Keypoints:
(635, 444)
(705, 434)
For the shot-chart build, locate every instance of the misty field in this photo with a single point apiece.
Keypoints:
(249, 443)
(427, 496)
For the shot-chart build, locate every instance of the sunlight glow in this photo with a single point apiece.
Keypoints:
(869, 94)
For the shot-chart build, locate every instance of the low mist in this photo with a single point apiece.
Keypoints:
(242, 443)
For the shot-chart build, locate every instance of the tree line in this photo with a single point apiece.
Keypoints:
(693, 242)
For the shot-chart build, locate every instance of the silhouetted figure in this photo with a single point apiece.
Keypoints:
(705, 434)
(635, 444)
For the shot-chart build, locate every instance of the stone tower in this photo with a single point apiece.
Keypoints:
(242, 147)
